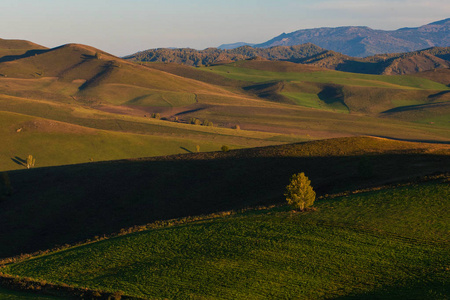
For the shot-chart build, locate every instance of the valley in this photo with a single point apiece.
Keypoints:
(156, 180)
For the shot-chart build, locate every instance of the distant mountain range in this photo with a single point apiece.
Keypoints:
(360, 41)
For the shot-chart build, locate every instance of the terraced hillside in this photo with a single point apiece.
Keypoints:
(385, 244)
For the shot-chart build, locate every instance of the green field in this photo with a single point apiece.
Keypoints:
(337, 91)
(383, 244)
(242, 71)
(75, 144)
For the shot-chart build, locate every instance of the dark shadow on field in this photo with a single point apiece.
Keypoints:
(412, 140)
(422, 288)
(437, 95)
(332, 94)
(269, 91)
(416, 107)
(185, 149)
(107, 69)
(67, 204)
(19, 161)
(25, 55)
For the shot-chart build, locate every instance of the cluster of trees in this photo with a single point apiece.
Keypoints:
(196, 121)
(192, 57)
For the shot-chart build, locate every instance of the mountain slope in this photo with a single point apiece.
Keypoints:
(363, 41)
(389, 64)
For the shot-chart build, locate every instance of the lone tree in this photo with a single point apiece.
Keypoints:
(299, 193)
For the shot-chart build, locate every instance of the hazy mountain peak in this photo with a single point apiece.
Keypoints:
(361, 41)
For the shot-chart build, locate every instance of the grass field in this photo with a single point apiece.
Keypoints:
(112, 191)
(76, 144)
(382, 244)
(338, 91)
(245, 71)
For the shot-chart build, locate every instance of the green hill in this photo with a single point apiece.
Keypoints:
(338, 91)
(119, 194)
(386, 244)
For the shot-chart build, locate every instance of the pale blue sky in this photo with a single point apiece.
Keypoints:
(126, 26)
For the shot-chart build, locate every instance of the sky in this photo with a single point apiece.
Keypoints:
(123, 27)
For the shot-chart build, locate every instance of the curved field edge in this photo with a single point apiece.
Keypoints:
(374, 244)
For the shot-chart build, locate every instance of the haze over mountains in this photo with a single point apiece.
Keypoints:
(362, 41)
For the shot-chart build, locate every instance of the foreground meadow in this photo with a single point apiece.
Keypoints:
(391, 243)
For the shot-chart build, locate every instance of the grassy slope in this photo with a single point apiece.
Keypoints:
(55, 143)
(378, 244)
(248, 71)
(72, 75)
(369, 94)
(10, 49)
(112, 137)
(191, 184)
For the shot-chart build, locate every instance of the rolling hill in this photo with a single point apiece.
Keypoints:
(121, 194)
(12, 49)
(378, 244)
(118, 150)
(334, 91)
(96, 106)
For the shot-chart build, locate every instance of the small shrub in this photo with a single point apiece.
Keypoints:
(299, 193)
(30, 161)
(116, 295)
(207, 123)
(225, 148)
(197, 148)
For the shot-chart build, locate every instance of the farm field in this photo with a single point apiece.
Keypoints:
(372, 244)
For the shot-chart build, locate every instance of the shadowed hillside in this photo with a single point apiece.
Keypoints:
(15, 49)
(120, 194)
